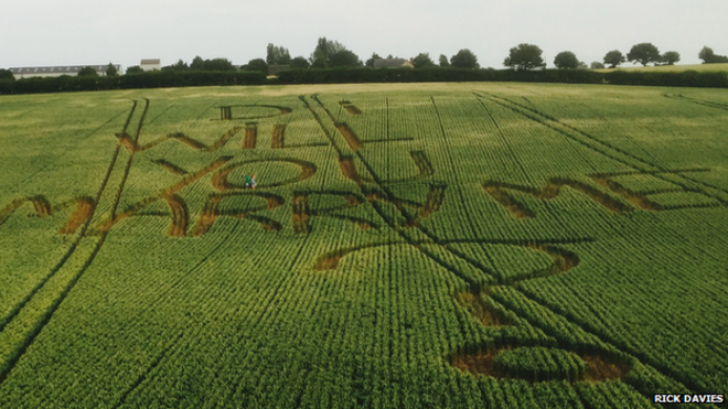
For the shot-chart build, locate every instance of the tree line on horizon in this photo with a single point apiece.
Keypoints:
(332, 54)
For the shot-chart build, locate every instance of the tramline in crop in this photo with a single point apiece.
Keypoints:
(364, 202)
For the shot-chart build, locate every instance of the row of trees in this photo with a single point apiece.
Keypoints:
(331, 54)
(528, 56)
(198, 64)
(525, 56)
(643, 53)
(709, 57)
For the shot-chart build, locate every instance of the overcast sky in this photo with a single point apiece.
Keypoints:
(85, 32)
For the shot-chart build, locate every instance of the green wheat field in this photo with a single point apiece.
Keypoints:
(407, 246)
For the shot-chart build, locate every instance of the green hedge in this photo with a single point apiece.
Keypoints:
(166, 79)
(364, 75)
(156, 79)
(668, 79)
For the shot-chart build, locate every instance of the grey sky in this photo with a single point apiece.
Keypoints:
(52, 32)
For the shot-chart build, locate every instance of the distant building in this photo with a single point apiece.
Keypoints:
(392, 63)
(519, 67)
(151, 65)
(57, 71)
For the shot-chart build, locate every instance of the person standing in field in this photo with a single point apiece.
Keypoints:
(250, 181)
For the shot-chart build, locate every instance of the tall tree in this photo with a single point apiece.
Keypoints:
(277, 55)
(706, 54)
(6, 75)
(111, 71)
(596, 65)
(219, 64)
(271, 54)
(671, 57)
(444, 61)
(423, 60)
(709, 57)
(344, 58)
(464, 59)
(566, 60)
(370, 62)
(644, 53)
(614, 58)
(178, 66)
(197, 64)
(526, 56)
(299, 62)
(257, 64)
(324, 50)
(87, 72)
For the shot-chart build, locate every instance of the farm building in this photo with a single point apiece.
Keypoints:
(519, 67)
(275, 69)
(57, 71)
(392, 63)
(151, 64)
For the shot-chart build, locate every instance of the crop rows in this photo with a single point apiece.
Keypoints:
(511, 247)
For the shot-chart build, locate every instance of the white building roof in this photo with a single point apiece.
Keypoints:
(65, 69)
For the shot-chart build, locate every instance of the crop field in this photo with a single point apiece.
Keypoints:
(407, 246)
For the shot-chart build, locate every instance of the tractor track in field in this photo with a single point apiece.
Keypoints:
(349, 135)
(170, 346)
(601, 147)
(47, 315)
(147, 371)
(16, 310)
(637, 200)
(601, 367)
(479, 362)
(554, 124)
(82, 139)
(452, 162)
(504, 140)
(83, 216)
(698, 101)
(604, 337)
(176, 203)
(476, 359)
(388, 195)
